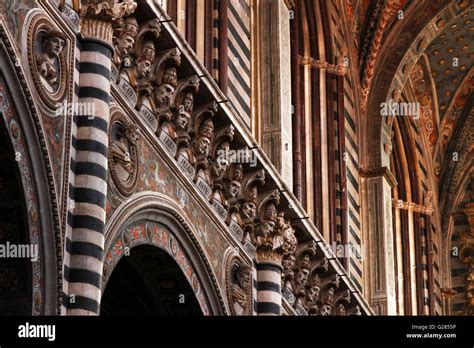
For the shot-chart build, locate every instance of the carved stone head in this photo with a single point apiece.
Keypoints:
(270, 212)
(266, 229)
(244, 276)
(340, 309)
(125, 36)
(301, 277)
(47, 61)
(288, 263)
(249, 210)
(145, 60)
(219, 166)
(204, 136)
(184, 112)
(132, 133)
(329, 298)
(325, 310)
(53, 43)
(164, 93)
(312, 295)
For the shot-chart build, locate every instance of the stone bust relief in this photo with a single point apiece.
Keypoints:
(51, 44)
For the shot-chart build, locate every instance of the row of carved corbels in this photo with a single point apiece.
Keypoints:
(311, 287)
(199, 139)
(202, 143)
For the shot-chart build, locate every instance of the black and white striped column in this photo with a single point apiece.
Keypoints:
(86, 244)
(72, 165)
(254, 290)
(268, 288)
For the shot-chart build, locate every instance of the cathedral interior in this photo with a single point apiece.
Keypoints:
(236, 157)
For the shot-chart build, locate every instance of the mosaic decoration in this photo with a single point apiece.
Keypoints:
(160, 236)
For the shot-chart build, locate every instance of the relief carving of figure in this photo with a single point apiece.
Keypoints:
(125, 137)
(232, 192)
(164, 93)
(240, 289)
(201, 147)
(138, 74)
(47, 61)
(312, 295)
(125, 34)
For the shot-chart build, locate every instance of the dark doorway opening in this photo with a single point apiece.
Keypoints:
(15, 273)
(149, 282)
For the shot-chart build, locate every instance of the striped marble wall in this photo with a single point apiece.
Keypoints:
(238, 14)
(458, 269)
(351, 145)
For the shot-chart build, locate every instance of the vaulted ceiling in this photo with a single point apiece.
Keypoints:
(451, 55)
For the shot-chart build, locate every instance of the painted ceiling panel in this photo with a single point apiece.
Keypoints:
(451, 55)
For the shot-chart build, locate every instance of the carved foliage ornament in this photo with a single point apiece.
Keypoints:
(123, 154)
(47, 60)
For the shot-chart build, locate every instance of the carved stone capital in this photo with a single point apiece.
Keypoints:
(97, 16)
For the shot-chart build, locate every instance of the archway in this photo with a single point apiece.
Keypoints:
(405, 158)
(32, 279)
(148, 282)
(15, 273)
(154, 223)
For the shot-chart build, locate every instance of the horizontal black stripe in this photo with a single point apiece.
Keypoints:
(94, 68)
(68, 245)
(95, 93)
(70, 218)
(71, 191)
(81, 302)
(77, 64)
(84, 276)
(91, 196)
(87, 249)
(268, 307)
(91, 145)
(268, 286)
(95, 46)
(91, 121)
(268, 267)
(92, 169)
(74, 142)
(76, 88)
(88, 222)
